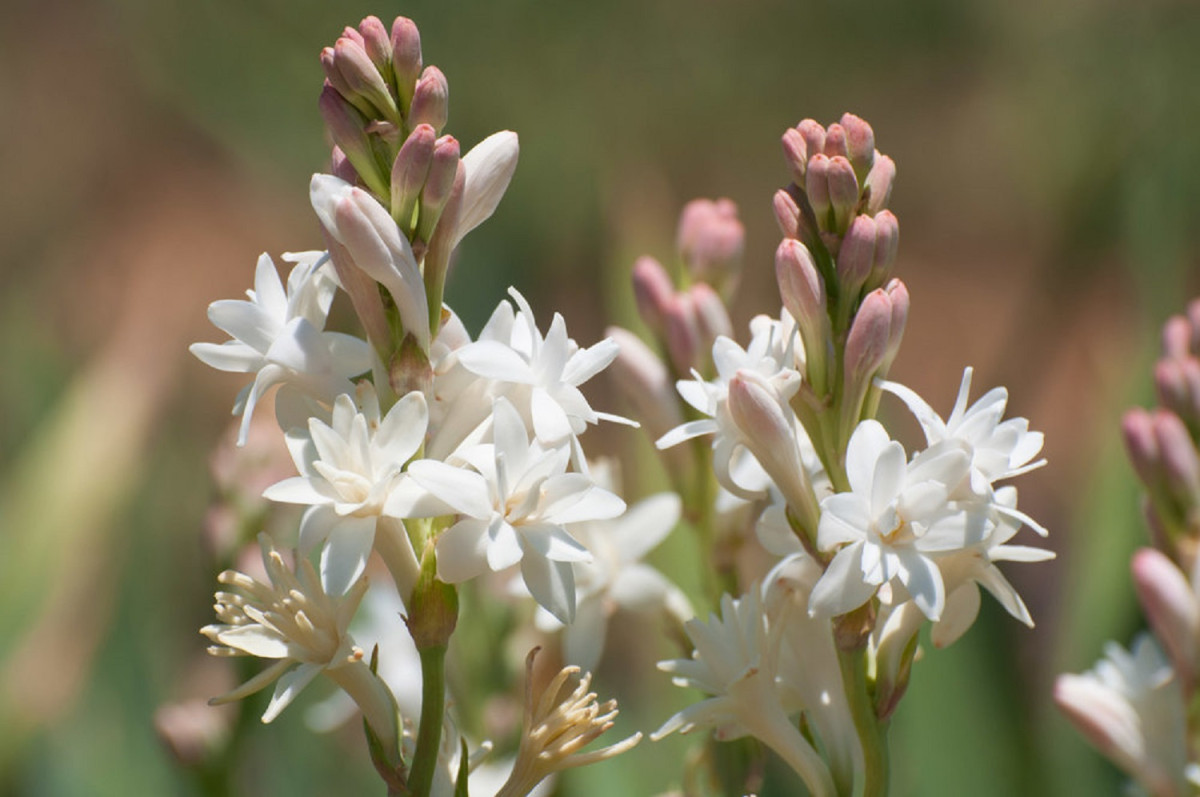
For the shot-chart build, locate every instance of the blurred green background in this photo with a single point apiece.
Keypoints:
(1048, 190)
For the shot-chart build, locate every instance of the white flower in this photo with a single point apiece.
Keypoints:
(1130, 706)
(998, 450)
(489, 168)
(349, 471)
(735, 662)
(540, 376)
(293, 620)
(277, 336)
(891, 524)
(514, 504)
(616, 578)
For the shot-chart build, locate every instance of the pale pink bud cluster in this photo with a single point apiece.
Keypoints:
(711, 239)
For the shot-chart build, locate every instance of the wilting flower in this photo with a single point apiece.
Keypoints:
(293, 620)
(515, 501)
(277, 336)
(350, 470)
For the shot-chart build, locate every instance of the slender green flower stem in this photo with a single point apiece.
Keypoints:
(872, 734)
(433, 708)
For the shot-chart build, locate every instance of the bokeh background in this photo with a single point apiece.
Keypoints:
(1048, 192)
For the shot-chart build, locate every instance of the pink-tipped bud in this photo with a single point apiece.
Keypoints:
(766, 424)
(869, 339)
(1180, 462)
(341, 167)
(1176, 337)
(710, 240)
(681, 329)
(1171, 384)
(1172, 608)
(1193, 316)
(898, 294)
(800, 284)
(442, 173)
(333, 74)
(787, 214)
(645, 383)
(406, 58)
(376, 42)
(843, 191)
(431, 100)
(1141, 444)
(712, 318)
(816, 186)
(814, 136)
(860, 145)
(363, 78)
(409, 171)
(879, 183)
(347, 129)
(887, 243)
(353, 35)
(795, 152)
(856, 258)
(835, 141)
(653, 291)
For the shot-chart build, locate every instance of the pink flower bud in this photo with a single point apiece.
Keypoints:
(681, 329)
(347, 129)
(332, 74)
(1171, 384)
(835, 141)
(1180, 462)
(1193, 316)
(867, 345)
(856, 258)
(879, 183)
(442, 173)
(409, 172)
(363, 78)
(887, 242)
(1172, 608)
(1137, 429)
(860, 145)
(353, 35)
(898, 294)
(431, 100)
(759, 410)
(814, 136)
(787, 214)
(406, 58)
(816, 186)
(341, 167)
(795, 151)
(712, 318)
(653, 291)
(800, 285)
(710, 240)
(376, 42)
(645, 383)
(843, 191)
(1176, 337)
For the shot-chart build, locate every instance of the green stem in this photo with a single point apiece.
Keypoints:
(872, 734)
(433, 709)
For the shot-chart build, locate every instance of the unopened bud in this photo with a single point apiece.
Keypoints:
(787, 214)
(800, 284)
(1176, 337)
(814, 136)
(1172, 608)
(653, 291)
(856, 259)
(860, 145)
(353, 35)
(835, 141)
(795, 152)
(879, 183)
(406, 58)
(843, 191)
(334, 75)
(682, 332)
(1193, 316)
(431, 100)
(409, 172)
(867, 346)
(816, 186)
(376, 43)
(1180, 462)
(363, 78)
(341, 167)
(645, 383)
(1141, 444)
(712, 319)
(347, 129)
(710, 240)
(898, 294)
(887, 243)
(442, 173)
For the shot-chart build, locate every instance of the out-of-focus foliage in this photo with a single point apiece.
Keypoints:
(1049, 177)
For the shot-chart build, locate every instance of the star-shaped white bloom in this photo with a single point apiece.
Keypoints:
(540, 376)
(999, 450)
(891, 524)
(349, 472)
(1131, 707)
(735, 661)
(277, 336)
(514, 502)
(616, 578)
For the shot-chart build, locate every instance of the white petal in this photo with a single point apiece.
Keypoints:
(552, 585)
(552, 542)
(489, 167)
(842, 587)
(640, 587)
(268, 290)
(686, 432)
(245, 321)
(864, 449)
(288, 686)
(255, 640)
(464, 490)
(550, 423)
(315, 526)
(232, 356)
(645, 525)
(297, 490)
(924, 582)
(345, 556)
(504, 548)
(493, 360)
(583, 640)
(462, 551)
(586, 363)
(962, 607)
(402, 430)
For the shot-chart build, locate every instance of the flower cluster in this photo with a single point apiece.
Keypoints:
(1138, 707)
